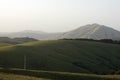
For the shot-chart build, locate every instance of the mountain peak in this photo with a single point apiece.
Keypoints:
(96, 24)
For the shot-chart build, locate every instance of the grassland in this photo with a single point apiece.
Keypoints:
(16, 74)
(63, 55)
(4, 44)
(4, 76)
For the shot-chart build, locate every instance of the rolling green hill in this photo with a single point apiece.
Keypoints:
(63, 55)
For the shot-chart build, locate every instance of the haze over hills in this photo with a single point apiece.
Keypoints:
(32, 34)
(91, 31)
(7, 40)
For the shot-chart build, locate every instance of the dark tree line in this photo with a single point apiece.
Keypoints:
(101, 40)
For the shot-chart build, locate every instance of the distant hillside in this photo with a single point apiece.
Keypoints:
(63, 55)
(7, 40)
(32, 34)
(93, 31)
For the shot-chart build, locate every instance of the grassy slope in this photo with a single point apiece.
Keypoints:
(63, 55)
(4, 76)
(4, 44)
(48, 75)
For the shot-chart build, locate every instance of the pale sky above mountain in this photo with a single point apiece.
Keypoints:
(57, 15)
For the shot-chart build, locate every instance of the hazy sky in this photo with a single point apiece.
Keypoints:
(57, 15)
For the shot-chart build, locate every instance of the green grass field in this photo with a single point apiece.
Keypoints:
(17, 74)
(4, 44)
(4, 76)
(63, 55)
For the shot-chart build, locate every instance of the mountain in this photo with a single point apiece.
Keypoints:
(93, 31)
(32, 34)
(63, 55)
